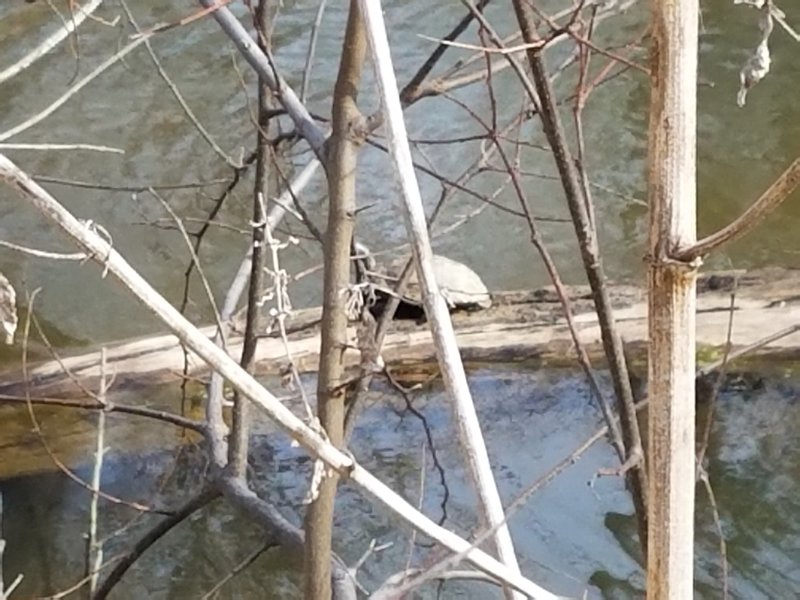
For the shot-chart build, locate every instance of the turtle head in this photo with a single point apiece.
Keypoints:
(363, 253)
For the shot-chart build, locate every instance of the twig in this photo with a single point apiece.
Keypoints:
(312, 49)
(92, 147)
(94, 556)
(239, 439)
(195, 260)
(395, 586)
(411, 92)
(73, 90)
(151, 537)
(488, 49)
(127, 188)
(771, 199)
(723, 546)
(765, 341)
(78, 17)
(140, 411)
(245, 562)
(215, 5)
(43, 253)
(176, 93)
(718, 383)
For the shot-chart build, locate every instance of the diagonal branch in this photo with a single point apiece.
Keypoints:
(264, 65)
(102, 253)
(79, 15)
(771, 199)
(447, 352)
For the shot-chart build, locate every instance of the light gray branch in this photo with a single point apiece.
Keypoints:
(264, 65)
(79, 15)
(102, 252)
(444, 339)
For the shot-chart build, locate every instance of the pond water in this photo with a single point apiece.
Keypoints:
(569, 535)
(740, 152)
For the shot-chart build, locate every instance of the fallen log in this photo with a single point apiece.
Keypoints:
(522, 326)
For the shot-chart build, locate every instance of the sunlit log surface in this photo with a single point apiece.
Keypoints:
(520, 327)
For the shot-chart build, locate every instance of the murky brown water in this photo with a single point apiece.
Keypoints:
(563, 543)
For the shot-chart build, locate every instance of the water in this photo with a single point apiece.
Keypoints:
(740, 152)
(564, 545)
(571, 536)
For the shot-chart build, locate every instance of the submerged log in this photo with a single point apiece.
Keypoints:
(523, 326)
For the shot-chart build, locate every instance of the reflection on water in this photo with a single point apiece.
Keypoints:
(570, 536)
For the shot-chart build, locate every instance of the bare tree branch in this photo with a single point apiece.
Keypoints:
(265, 67)
(106, 256)
(771, 199)
(448, 356)
(78, 16)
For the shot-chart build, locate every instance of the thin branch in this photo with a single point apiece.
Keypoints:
(43, 253)
(765, 341)
(771, 199)
(176, 93)
(243, 564)
(127, 188)
(139, 411)
(151, 537)
(312, 50)
(94, 555)
(448, 356)
(263, 64)
(411, 91)
(78, 16)
(73, 90)
(238, 442)
(47, 147)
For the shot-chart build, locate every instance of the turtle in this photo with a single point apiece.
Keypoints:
(460, 286)
(8, 309)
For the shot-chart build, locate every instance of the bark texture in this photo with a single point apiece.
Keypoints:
(341, 160)
(672, 286)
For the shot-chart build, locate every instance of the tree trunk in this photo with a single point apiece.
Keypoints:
(671, 193)
(340, 166)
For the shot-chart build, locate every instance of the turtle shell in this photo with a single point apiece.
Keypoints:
(461, 287)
